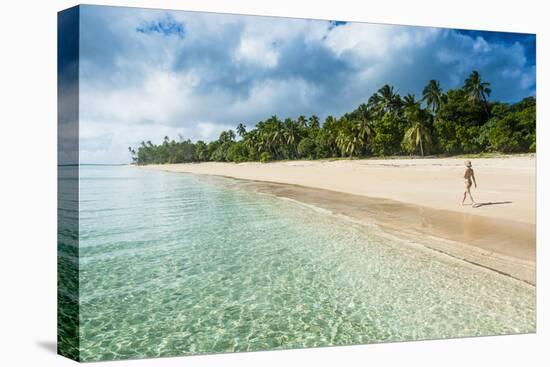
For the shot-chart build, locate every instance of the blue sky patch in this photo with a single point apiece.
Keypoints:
(527, 40)
(166, 26)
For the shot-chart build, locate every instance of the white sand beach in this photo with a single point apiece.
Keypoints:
(506, 186)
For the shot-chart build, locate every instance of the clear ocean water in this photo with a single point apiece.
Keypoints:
(173, 264)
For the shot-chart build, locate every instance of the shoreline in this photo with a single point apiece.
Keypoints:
(506, 185)
(501, 244)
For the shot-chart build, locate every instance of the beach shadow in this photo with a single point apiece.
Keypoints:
(478, 205)
(48, 345)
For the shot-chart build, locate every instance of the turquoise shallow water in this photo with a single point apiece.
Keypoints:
(171, 264)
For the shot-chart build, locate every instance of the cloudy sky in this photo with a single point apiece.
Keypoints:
(148, 73)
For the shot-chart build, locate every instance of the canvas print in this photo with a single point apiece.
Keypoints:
(233, 183)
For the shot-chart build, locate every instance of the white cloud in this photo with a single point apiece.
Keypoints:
(208, 131)
(376, 41)
(228, 69)
(160, 97)
(257, 51)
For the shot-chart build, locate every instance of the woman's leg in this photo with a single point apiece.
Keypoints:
(470, 194)
(467, 185)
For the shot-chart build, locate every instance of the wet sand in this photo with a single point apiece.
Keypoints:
(501, 245)
(502, 242)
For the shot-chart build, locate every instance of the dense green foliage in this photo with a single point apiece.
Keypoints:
(459, 121)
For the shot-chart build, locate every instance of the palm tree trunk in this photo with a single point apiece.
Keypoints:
(486, 105)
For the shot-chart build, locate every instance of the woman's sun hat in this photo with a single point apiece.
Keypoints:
(468, 164)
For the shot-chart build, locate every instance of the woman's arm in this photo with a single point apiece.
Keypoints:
(474, 178)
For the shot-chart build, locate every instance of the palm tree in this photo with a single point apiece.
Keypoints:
(302, 122)
(313, 122)
(227, 136)
(291, 135)
(133, 154)
(348, 139)
(241, 130)
(477, 89)
(328, 135)
(364, 123)
(409, 101)
(433, 95)
(271, 137)
(277, 137)
(385, 100)
(251, 142)
(418, 134)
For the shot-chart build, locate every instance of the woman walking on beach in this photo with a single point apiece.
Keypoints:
(468, 177)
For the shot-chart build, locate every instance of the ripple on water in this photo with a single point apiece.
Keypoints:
(170, 265)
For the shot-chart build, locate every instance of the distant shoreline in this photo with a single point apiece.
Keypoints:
(416, 199)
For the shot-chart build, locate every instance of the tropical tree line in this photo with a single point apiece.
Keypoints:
(458, 121)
